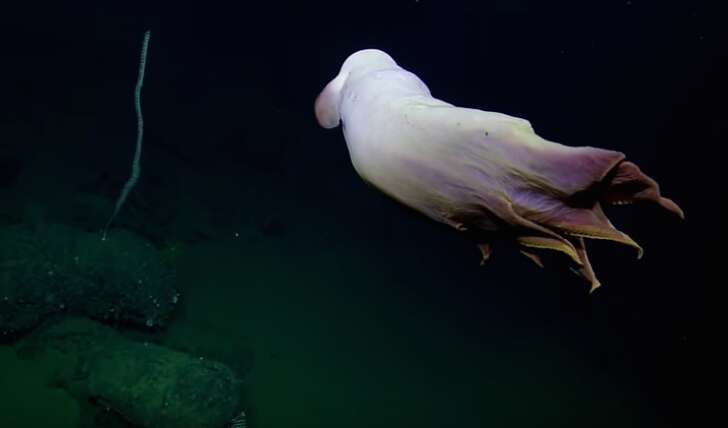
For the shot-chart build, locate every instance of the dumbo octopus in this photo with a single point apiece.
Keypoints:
(486, 174)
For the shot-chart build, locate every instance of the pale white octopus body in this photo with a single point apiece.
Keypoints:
(483, 173)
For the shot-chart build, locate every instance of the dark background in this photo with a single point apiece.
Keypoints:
(644, 78)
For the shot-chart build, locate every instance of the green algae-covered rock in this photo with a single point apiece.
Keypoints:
(146, 384)
(50, 269)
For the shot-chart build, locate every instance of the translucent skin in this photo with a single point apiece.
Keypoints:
(486, 174)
